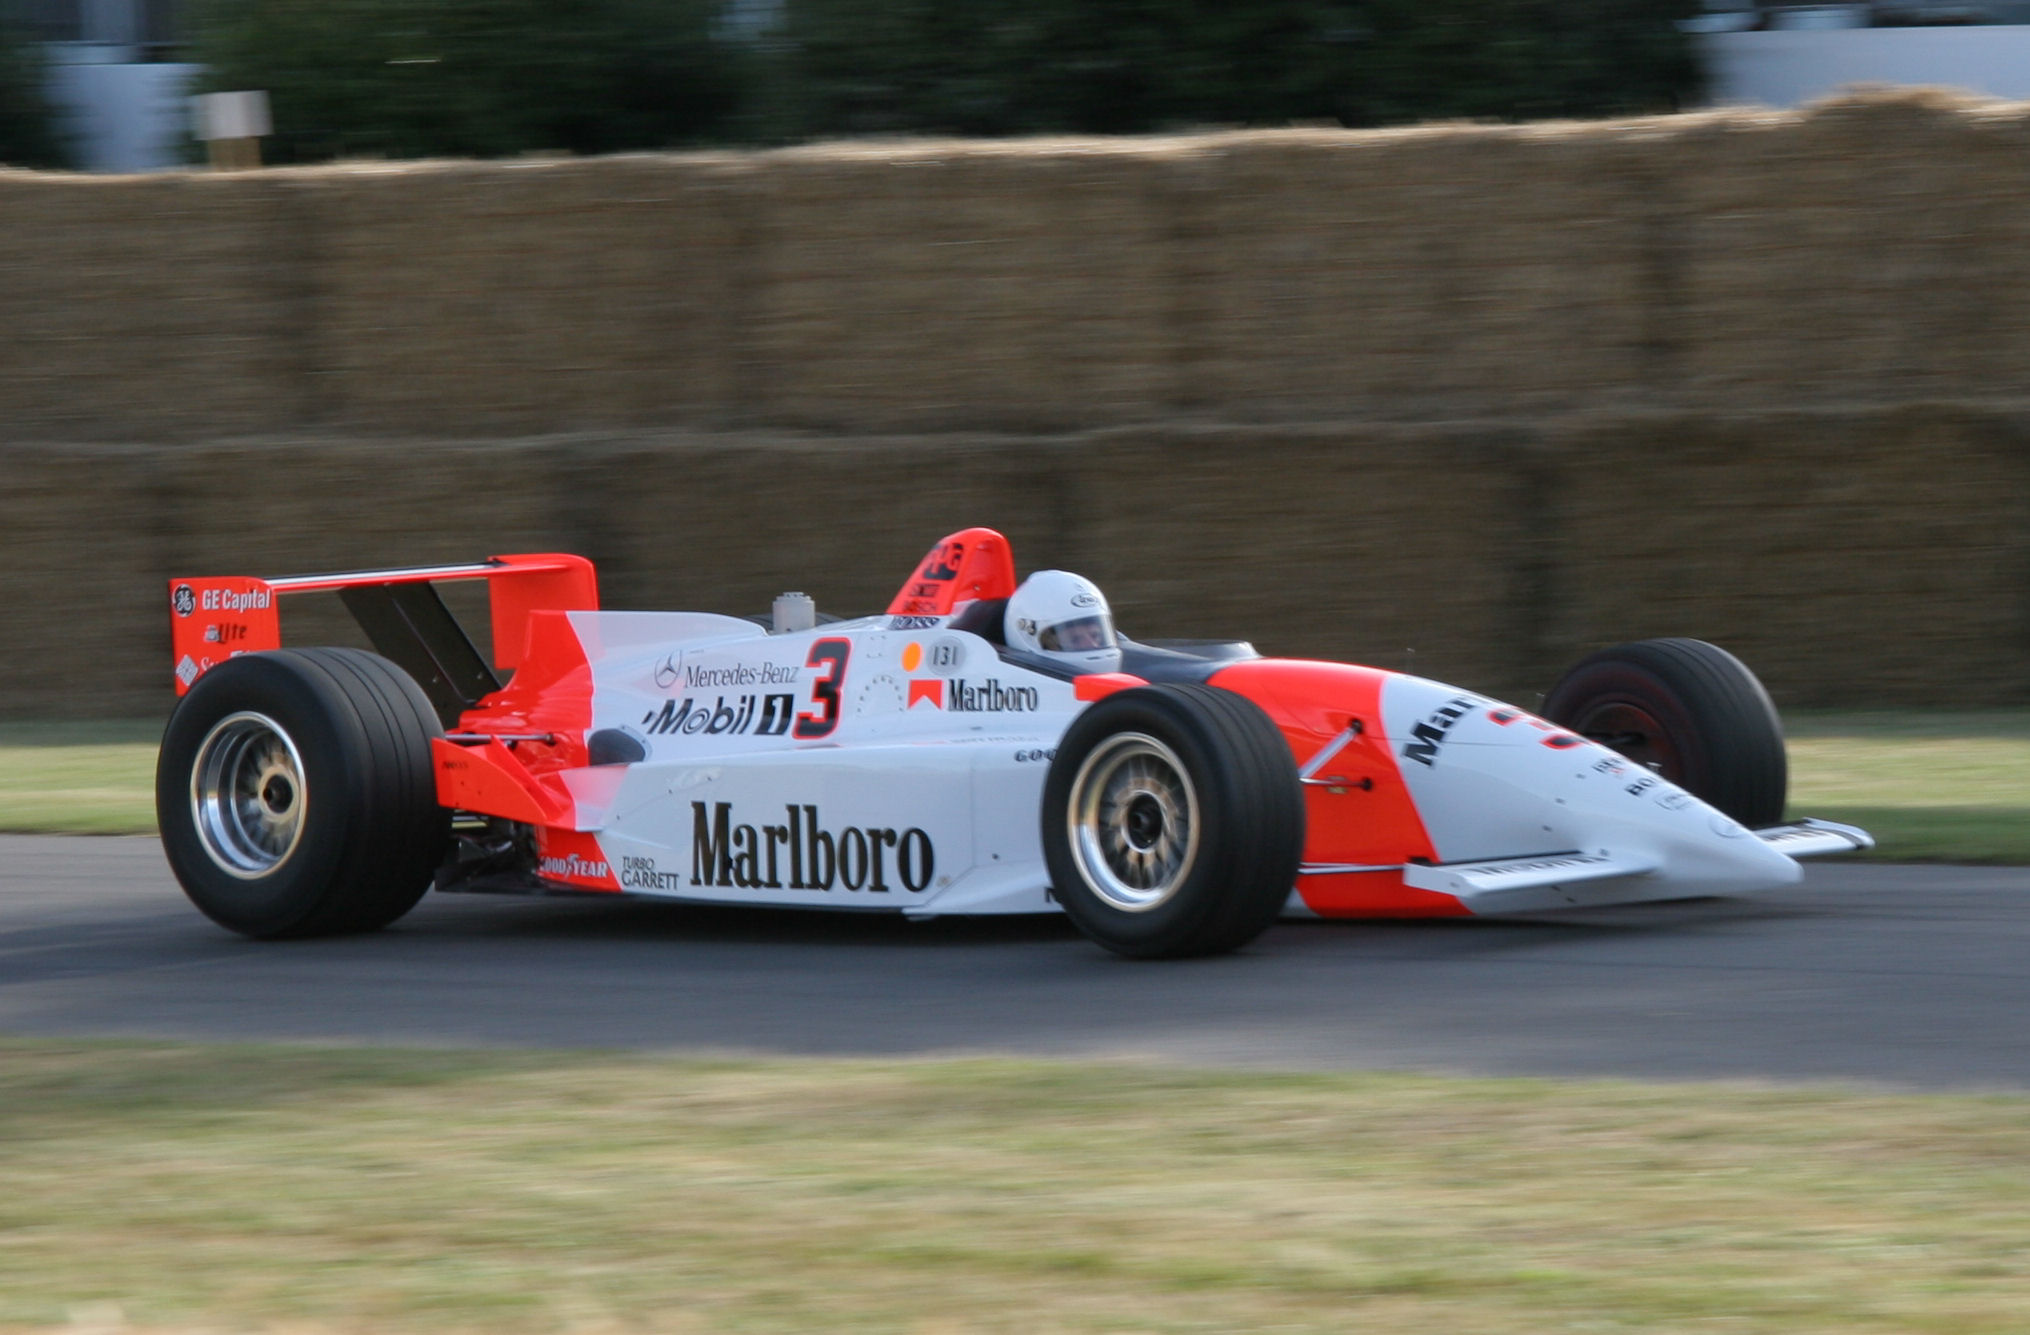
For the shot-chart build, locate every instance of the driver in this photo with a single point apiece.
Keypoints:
(1065, 617)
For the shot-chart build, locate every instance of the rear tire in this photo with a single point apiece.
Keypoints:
(296, 796)
(1689, 710)
(1173, 821)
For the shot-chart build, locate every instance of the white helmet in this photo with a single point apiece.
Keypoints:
(1065, 616)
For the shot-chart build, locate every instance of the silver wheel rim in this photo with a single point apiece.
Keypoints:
(1133, 821)
(247, 794)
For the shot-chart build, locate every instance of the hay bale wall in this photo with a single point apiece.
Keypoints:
(1874, 250)
(1467, 399)
(1486, 555)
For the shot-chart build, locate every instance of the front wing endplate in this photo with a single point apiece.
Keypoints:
(1484, 881)
(1811, 838)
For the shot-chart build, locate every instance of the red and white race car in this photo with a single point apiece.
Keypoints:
(947, 756)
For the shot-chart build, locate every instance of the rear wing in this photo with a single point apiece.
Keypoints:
(219, 617)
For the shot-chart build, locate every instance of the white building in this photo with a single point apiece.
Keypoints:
(114, 77)
(1781, 55)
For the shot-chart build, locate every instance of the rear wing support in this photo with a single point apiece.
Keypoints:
(219, 617)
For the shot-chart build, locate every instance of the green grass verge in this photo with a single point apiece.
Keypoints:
(78, 778)
(1945, 787)
(194, 1188)
(1930, 787)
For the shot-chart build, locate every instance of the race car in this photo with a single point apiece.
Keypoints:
(984, 746)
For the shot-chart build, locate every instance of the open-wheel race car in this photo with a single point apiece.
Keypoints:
(982, 747)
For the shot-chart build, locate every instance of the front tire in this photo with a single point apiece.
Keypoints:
(1173, 821)
(295, 793)
(1689, 710)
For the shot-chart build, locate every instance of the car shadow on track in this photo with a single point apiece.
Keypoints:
(647, 920)
(637, 920)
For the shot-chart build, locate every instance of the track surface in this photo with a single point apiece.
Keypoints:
(1880, 975)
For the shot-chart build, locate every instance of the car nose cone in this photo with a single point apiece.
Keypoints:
(1493, 782)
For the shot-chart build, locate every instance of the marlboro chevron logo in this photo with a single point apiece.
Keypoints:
(959, 696)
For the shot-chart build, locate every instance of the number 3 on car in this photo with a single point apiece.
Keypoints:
(830, 658)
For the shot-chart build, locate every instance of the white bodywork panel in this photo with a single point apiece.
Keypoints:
(1525, 816)
(916, 791)
(868, 765)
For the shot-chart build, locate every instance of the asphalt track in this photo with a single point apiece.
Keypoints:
(1875, 975)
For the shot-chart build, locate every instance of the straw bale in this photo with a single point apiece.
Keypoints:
(95, 533)
(84, 618)
(1396, 546)
(1870, 249)
(1876, 555)
(1432, 273)
(1873, 250)
(724, 523)
(1372, 543)
(937, 286)
(1865, 557)
(150, 304)
(519, 298)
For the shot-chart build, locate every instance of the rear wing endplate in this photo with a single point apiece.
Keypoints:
(218, 617)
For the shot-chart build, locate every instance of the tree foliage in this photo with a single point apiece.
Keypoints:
(1124, 66)
(490, 77)
(476, 78)
(29, 136)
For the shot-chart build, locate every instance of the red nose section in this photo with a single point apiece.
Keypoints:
(1357, 809)
(971, 564)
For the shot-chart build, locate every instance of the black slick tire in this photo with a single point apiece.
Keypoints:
(1689, 710)
(295, 793)
(1173, 821)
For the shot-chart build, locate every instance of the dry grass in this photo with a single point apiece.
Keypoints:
(188, 1188)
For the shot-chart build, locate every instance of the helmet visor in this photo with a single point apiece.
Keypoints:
(1078, 635)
